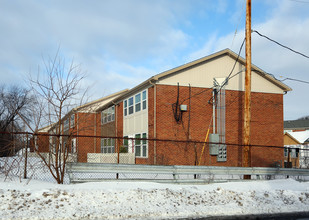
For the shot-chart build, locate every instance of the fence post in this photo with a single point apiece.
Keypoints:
(26, 157)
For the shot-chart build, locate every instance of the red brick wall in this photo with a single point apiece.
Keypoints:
(267, 127)
(150, 103)
(85, 126)
(42, 142)
(98, 133)
(119, 121)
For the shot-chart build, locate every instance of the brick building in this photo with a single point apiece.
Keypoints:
(184, 103)
(178, 110)
(77, 130)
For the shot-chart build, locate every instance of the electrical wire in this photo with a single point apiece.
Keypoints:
(240, 17)
(176, 108)
(300, 1)
(286, 47)
(293, 79)
(298, 80)
(229, 76)
(207, 89)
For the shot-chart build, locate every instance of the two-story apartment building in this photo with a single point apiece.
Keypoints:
(200, 97)
(168, 118)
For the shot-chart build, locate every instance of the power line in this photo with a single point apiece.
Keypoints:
(300, 1)
(229, 76)
(298, 80)
(293, 79)
(240, 17)
(286, 47)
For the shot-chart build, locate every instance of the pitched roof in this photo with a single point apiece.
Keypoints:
(291, 137)
(90, 107)
(99, 103)
(300, 136)
(226, 52)
(296, 124)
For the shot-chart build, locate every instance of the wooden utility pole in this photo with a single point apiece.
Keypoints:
(247, 111)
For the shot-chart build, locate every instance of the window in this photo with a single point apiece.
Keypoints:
(130, 105)
(72, 121)
(36, 143)
(66, 124)
(141, 149)
(144, 100)
(137, 145)
(125, 107)
(286, 152)
(137, 102)
(126, 144)
(144, 145)
(107, 145)
(73, 146)
(108, 115)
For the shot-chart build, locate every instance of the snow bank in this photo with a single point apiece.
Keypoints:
(140, 200)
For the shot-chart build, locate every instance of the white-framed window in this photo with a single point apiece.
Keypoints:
(126, 144)
(72, 120)
(66, 124)
(73, 145)
(36, 143)
(144, 98)
(108, 115)
(136, 103)
(125, 107)
(141, 147)
(107, 145)
(130, 102)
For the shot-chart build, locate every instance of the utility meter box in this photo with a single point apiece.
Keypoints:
(213, 144)
(183, 108)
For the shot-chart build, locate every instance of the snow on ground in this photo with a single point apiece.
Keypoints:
(144, 200)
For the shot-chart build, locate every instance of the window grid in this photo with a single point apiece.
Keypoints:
(125, 107)
(141, 148)
(66, 124)
(107, 145)
(135, 103)
(108, 115)
(72, 120)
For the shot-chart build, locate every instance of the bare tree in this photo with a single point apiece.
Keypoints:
(14, 101)
(304, 118)
(57, 89)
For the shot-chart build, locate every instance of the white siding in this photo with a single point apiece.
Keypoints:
(137, 122)
(202, 76)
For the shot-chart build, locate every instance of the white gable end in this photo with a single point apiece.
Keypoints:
(202, 75)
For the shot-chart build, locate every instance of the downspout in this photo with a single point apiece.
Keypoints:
(116, 134)
(77, 138)
(214, 111)
(154, 122)
(95, 132)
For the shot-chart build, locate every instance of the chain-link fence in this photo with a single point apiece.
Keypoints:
(44, 156)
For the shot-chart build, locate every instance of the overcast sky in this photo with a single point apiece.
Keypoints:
(120, 43)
